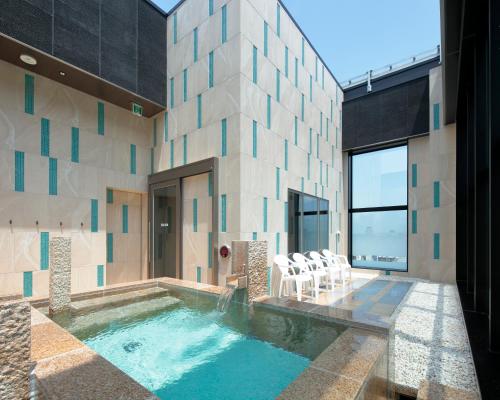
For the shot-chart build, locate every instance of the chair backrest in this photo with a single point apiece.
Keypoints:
(318, 260)
(343, 261)
(301, 262)
(283, 263)
(327, 253)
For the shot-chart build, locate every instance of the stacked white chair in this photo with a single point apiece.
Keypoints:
(317, 271)
(341, 262)
(290, 272)
(333, 269)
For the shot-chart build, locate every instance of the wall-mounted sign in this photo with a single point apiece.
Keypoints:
(137, 109)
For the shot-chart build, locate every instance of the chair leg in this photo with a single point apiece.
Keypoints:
(316, 287)
(299, 290)
(281, 288)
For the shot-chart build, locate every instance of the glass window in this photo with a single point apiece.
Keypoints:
(379, 209)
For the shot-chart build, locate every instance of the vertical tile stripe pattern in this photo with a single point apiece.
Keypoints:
(264, 216)
(195, 215)
(100, 118)
(53, 176)
(155, 139)
(286, 61)
(436, 116)
(210, 184)
(19, 171)
(165, 127)
(223, 213)
(198, 274)
(302, 184)
(414, 175)
(437, 197)
(296, 131)
(195, 45)
(44, 251)
(210, 7)
(286, 216)
(100, 275)
(254, 235)
(414, 221)
(45, 137)
(133, 160)
(199, 111)
(278, 20)
(172, 92)
(94, 215)
(286, 154)
(75, 145)
(172, 153)
(211, 69)
(266, 29)
(254, 139)
(277, 242)
(184, 85)
(124, 218)
(152, 160)
(437, 239)
(29, 94)
(175, 29)
(184, 149)
(224, 137)
(27, 284)
(224, 24)
(109, 196)
(303, 51)
(210, 250)
(254, 64)
(109, 247)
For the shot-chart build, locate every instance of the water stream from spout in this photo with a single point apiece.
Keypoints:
(225, 299)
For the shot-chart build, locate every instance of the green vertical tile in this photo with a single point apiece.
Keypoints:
(184, 149)
(195, 215)
(296, 131)
(414, 221)
(155, 139)
(27, 283)
(100, 275)
(254, 235)
(19, 171)
(437, 196)
(44, 251)
(45, 137)
(198, 274)
(210, 7)
(286, 154)
(302, 108)
(29, 94)
(302, 184)
(172, 92)
(94, 215)
(223, 213)
(286, 61)
(165, 127)
(277, 243)
(437, 239)
(436, 116)
(109, 247)
(75, 145)
(210, 184)
(124, 218)
(333, 156)
(254, 64)
(254, 139)
(303, 51)
(331, 110)
(195, 45)
(109, 196)
(264, 215)
(152, 160)
(296, 72)
(268, 111)
(224, 24)
(322, 191)
(266, 49)
(211, 69)
(100, 118)
(52, 176)
(172, 153)
(278, 85)
(277, 183)
(133, 159)
(414, 175)
(278, 20)
(286, 216)
(210, 247)
(174, 28)
(199, 110)
(310, 88)
(224, 137)
(185, 85)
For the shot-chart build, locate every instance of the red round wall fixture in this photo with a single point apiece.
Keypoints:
(225, 251)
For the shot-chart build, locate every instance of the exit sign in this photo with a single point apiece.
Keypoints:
(137, 109)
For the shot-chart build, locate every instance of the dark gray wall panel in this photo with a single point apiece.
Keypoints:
(395, 113)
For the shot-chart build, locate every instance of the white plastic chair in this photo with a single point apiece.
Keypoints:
(306, 266)
(288, 274)
(331, 267)
(341, 262)
(345, 266)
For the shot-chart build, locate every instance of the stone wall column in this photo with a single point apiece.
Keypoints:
(60, 275)
(251, 255)
(15, 350)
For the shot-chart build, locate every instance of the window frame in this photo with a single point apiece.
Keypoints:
(352, 210)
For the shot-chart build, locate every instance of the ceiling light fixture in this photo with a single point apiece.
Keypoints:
(27, 59)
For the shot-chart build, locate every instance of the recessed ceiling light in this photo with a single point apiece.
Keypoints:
(62, 73)
(30, 60)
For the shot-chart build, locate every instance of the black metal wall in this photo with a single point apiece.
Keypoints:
(122, 41)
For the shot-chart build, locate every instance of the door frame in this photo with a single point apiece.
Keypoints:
(174, 176)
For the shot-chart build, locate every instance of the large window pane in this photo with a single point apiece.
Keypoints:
(379, 178)
(310, 224)
(379, 240)
(323, 225)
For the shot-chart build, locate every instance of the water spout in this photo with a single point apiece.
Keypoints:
(225, 299)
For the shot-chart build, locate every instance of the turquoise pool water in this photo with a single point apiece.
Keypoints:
(190, 351)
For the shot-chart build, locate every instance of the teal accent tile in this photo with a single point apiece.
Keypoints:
(277, 243)
(436, 116)
(223, 213)
(133, 159)
(124, 218)
(152, 160)
(266, 49)
(184, 149)
(437, 196)
(27, 283)
(199, 110)
(254, 64)
(310, 88)
(185, 85)
(155, 138)
(172, 153)
(224, 24)
(224, 137)
(44, 251)
(29, 94)
(109, 196)
(52, 176)
(268, 111)
(308, 166)
(278, 74)
(254, 235)
(19, 171)
(94, 215)
(414, 176)
(195, 45)
(302, 107)
(75, 145)
(210, 7)
(165, 127)
(109, 247)
(286, 215)
(302, 184)
(254, 139)
(388, 273)
(437, 239)
(198, 274)
(195, 215)
(296, 72)
(264, 215)
(277, 183)
(211, 69)
(296, 131)
(174, 28)
(100, 118)
(303, 51)
(210, 184)
(210, 247)
(45, 137)
(278, 20)
(286, 61)
(414, 221)
(269, 280)
(100, 275)
(286, 155)
(172, 92)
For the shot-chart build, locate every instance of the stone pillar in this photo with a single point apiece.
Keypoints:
(60, 275)
(253, 255)
(15, 350)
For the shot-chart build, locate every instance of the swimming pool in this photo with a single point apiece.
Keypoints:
(178, 346)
